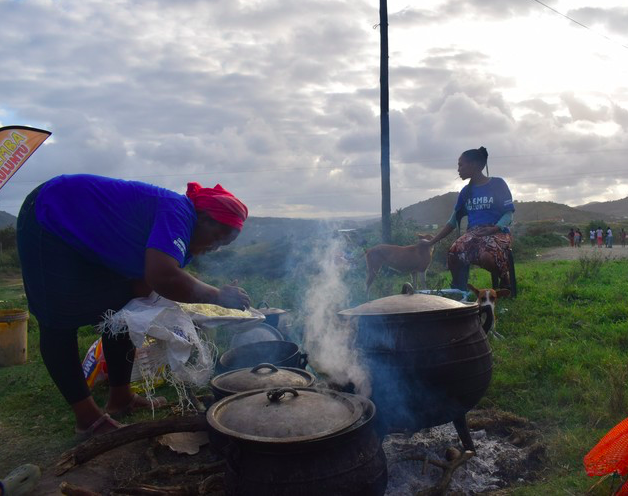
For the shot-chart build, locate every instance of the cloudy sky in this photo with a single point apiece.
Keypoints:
(278, 100)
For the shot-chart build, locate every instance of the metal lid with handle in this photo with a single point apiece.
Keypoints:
(267, 310)
(262, 376)
(284, 415)
(408, 304)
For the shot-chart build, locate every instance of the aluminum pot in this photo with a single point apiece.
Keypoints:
(279, 353)
(428, 358)
(273, 315)
(262, 376)
(299, 442)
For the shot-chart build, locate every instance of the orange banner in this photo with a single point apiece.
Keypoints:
(17, 143)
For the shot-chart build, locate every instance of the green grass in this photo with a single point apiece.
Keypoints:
(563, 365)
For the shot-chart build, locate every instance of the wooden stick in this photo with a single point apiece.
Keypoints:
(71, 490)
(422, 458)
(441, 488)
(215, 481)
(134, 432)
(150, 490)
(170, 470)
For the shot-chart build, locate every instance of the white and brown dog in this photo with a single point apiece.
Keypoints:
(487, 298)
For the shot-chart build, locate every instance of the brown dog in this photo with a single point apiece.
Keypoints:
(487, 298)
(414, 259)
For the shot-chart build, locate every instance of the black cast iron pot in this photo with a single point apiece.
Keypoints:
(262, 376)
(279, 353)
(428, 358)
(299, 442)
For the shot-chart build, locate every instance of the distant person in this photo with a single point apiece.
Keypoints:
(571, 237)
(592, 237)
(578, 238)
(600, 236)
(487, 202)
(609, 238)
(89, 244)
(622, 237)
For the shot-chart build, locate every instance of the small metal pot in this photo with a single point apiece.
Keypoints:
(262, 376)
(279, 353)
(273, 315)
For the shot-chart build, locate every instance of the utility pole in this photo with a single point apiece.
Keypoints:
(384, 121)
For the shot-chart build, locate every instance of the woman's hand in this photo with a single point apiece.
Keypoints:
(231, 296)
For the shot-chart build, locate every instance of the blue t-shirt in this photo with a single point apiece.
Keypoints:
(485, 204)
(113, 221)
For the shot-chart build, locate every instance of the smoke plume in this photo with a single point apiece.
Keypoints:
(329, 343)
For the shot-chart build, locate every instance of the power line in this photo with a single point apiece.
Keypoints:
(580, 24)
(420, 161)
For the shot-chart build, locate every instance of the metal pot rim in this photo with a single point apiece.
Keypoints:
(355, 411)
(215, 382)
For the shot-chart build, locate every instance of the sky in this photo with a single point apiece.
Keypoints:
(279, 101)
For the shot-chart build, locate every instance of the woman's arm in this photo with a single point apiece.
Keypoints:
(446, 230)
(164, 276)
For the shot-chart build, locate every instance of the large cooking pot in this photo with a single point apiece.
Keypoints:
(279, 353)
(299, 442)
(428, 358)
(262, 376)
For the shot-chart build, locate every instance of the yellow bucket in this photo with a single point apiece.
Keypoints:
(13, 326)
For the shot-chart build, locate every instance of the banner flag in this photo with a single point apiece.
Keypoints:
(17, 143)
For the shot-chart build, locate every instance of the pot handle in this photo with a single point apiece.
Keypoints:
(303, 361)
(264, 366)
(278, 393)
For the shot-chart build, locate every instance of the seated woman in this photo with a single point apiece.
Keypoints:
(488, 204)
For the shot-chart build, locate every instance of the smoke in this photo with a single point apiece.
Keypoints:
(328, 342)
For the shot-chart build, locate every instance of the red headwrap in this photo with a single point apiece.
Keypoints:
(221, 205)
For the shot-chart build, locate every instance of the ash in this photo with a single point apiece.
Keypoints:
(496, 464)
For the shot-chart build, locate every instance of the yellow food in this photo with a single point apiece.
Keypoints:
(214, 310)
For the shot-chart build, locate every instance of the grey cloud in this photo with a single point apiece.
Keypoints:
(269, 98)
(411, 17)
(489, 8)
(580, 111)
(620, 115)
(615, 19)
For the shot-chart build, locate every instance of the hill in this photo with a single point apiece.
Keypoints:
(6, 219)
(437, 210)
(616, 208)
(259, 229)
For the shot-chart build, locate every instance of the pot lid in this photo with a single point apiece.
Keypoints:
(263, 376)
(266, 310)
(284, 415)
(405, 304)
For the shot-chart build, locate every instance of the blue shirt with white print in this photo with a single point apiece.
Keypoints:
(485, 204)
(113, 221)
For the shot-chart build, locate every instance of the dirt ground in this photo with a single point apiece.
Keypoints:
(569, 253)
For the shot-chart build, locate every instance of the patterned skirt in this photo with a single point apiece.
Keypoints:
(470, 247)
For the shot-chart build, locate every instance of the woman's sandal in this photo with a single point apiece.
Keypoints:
(21, 480)
(103, 425)
(137, 403)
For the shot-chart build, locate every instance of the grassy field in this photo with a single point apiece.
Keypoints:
(562, 365)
